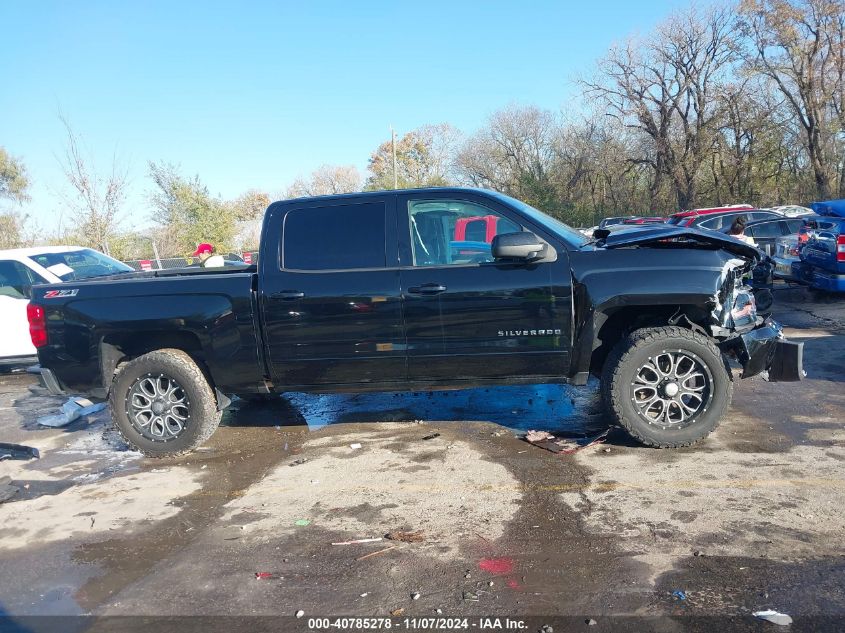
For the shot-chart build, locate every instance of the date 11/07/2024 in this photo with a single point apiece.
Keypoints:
(434, 624)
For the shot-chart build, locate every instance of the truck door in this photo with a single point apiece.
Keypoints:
(467, 316)
(330, 298)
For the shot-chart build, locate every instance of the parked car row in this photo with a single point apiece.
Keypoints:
(806, 245)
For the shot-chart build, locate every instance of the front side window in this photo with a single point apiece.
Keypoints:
(454, 232)
(341, 237)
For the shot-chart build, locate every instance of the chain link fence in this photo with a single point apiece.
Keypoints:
(163, 263)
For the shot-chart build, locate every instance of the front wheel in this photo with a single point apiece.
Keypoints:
(162, 404)
(667, 386)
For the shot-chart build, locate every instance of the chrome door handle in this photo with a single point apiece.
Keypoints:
(427, 289)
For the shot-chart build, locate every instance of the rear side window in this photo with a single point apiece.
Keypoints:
(339, 237)
(767, 229)
(714, 224)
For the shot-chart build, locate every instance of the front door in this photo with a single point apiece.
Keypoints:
(331, 305)
(467, 316)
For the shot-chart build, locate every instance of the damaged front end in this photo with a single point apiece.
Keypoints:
(758, 344)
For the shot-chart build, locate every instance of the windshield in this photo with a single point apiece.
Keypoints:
(569, 235)
(81, 264)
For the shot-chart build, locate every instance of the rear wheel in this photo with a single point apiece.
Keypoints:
(666, 386)
(162, 404)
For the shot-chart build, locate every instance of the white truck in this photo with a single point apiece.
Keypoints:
(22, 268)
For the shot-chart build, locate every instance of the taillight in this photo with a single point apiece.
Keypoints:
(37, 324)
(840, 248)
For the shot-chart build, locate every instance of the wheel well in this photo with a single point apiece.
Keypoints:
(619, 323)
(116, 349)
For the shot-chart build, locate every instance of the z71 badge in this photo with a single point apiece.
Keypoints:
(55, 294)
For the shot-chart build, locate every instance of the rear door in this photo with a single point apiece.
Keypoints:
(329, 287)
(467, 316)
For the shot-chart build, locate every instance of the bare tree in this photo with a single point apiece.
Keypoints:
(96, 200)
(326, 180)
(667, 88)
(799, 45)
(514, 153)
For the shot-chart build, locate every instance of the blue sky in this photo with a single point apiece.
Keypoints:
(253, 94)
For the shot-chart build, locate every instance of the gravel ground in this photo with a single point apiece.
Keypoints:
(749, 519)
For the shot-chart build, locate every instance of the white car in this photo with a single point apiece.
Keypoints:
(22, 268)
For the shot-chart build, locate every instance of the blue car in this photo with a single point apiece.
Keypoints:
(822, 262)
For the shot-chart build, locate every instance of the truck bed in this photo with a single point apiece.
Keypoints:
(92, 325)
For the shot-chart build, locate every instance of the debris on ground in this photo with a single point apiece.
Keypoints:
(18, 451)
(415, 595)
(775, 617)
(365, 594)
(396, 613)
(680, 595)
(302, 522)
(359, 540)
(381, 551)
(564, 445)
(470, 596)
(406, 537)
(264, 575)
(300, 613)
(73, 409)
(299, 461)
(355, 445)
(591, 622)
(432, 436)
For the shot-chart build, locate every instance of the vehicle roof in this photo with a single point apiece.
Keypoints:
(706, 211)
(38, 250)
(365, 194)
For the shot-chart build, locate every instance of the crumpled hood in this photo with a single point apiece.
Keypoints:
(680, 235)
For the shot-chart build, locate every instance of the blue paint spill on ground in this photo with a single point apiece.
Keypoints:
(560, 408)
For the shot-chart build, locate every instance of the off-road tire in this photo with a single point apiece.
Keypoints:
(203, 414)
(629, 355)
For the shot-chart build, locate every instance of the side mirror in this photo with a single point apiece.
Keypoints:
(523, 246)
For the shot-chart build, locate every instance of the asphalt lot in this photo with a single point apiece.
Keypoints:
(747, 520)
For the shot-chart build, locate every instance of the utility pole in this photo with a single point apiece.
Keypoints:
(155, 252)
(393, 147)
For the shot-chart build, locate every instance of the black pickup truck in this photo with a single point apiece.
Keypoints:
(417, 290)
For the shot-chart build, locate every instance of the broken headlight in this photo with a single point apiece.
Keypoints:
(743, 308)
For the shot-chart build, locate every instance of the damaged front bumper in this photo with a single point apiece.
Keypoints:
(764, 350)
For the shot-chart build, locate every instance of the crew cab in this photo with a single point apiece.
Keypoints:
(372, 291)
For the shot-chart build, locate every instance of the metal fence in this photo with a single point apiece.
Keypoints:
(162, 263)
